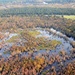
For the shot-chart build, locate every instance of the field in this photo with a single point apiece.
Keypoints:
(70, 17)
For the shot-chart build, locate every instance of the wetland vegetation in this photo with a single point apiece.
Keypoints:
(37, 41)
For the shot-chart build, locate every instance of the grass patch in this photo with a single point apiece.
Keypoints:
(34, 33)
(30, 32)
(49, 45)
(70, 17)
(13, 39)
(67, 16)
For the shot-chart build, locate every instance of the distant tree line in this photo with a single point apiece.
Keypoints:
(60, 1)
(37, 11)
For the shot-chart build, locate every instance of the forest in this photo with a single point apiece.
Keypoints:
(37, 11)
(66, 26)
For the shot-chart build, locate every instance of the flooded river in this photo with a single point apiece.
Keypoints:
(65, 44)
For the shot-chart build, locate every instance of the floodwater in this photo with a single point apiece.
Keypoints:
(4, 51)
(65, 44)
